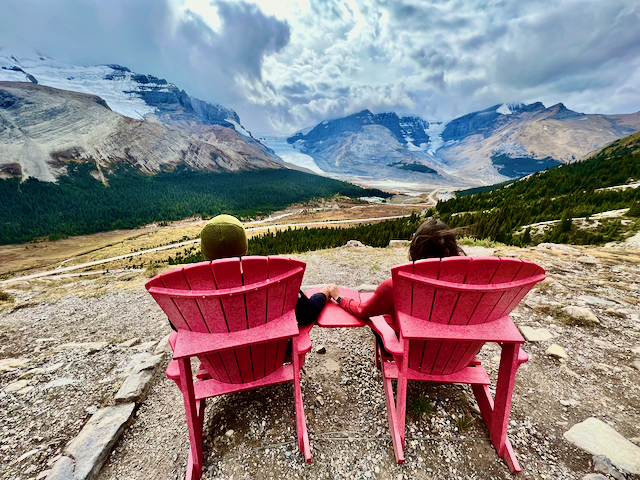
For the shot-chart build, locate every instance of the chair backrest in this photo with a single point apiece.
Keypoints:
(245, 306)
(458, 291)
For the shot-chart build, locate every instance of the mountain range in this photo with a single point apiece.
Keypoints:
(53, 113)
(490, 146)
(122, 117)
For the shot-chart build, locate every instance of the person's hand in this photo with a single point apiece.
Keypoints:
(333, 291)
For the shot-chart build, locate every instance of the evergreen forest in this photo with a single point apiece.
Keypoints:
(563, 193)
(79, 204)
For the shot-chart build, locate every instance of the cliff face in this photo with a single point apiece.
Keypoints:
(43, 130)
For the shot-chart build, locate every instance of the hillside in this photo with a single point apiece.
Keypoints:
(45, 130)
(580, 189)
(53, 386)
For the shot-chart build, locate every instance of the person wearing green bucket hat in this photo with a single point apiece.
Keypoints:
(224, 236)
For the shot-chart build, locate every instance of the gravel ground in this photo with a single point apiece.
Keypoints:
(252, 434)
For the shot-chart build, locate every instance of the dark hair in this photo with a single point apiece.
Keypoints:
(434, 239)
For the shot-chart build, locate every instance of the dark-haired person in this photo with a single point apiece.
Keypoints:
(433, 239)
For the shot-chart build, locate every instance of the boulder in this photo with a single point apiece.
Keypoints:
(598, 438)
(399, 243)
(581, 315)
(355, 244)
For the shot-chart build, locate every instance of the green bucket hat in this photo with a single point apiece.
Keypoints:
(223, 237)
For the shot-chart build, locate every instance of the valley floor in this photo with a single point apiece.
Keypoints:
(252, 434)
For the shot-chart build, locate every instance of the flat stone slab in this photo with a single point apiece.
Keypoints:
(556, 351)
(59, 382)
(8, 364)
(15, 386)
(62, 469)
(163, 346)
(136, 387)
(531, 334)
(95, 441)
(591, 300)
(91, 346)
(598, 438)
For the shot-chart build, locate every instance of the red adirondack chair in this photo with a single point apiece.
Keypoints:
(445, 311)
(238, 317)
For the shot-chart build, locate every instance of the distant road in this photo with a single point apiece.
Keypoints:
(188, 242)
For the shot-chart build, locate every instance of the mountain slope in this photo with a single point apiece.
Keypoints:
(378, 146)
(43, 130)
(480, 148)
(577, 190)
(512, 141)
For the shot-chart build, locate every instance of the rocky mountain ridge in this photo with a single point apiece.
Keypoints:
(481, 148)
(43, 131)
(381, 145)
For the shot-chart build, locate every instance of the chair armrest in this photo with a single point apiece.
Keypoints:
(189, 344)
(304, 341)
(501, 330)
(381, 327)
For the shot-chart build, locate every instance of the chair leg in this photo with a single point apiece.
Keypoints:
(393, 418)
(301, 421)
(401, 402)
(194, 422)
(502, 405)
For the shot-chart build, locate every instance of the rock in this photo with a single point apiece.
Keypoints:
(555, 246)
(556, 351)
(636, 350)
(92, 347)
(136, 387)
(229, 433)
(399, 243)
(27, 455)
(366, 288)
(59, 382)
(603, 465)
(598, 438)
(43, 474)
(636, 364)
(581, 315)
(15, 386)
(96, 439)
(143, 347)
(589, 259)
(531, 334)
(62, 470)
(355, 244)
(163, 346)
(320, 400)
(591, 300)
(321, 350)
(635, 440)
(130, 343)
(594, 476)
(8, 364)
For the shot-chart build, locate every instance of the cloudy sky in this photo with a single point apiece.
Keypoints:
(285, 65)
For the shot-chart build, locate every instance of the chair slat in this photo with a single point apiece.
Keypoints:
(436, 354)
(417, 299)
(275, 308)
(228, 274)
(254, 270)
(200, 277)
(195, 321)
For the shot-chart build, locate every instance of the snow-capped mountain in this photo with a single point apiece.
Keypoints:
(380, 146)
(45, 131)
(126, 92)
(489, 146)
